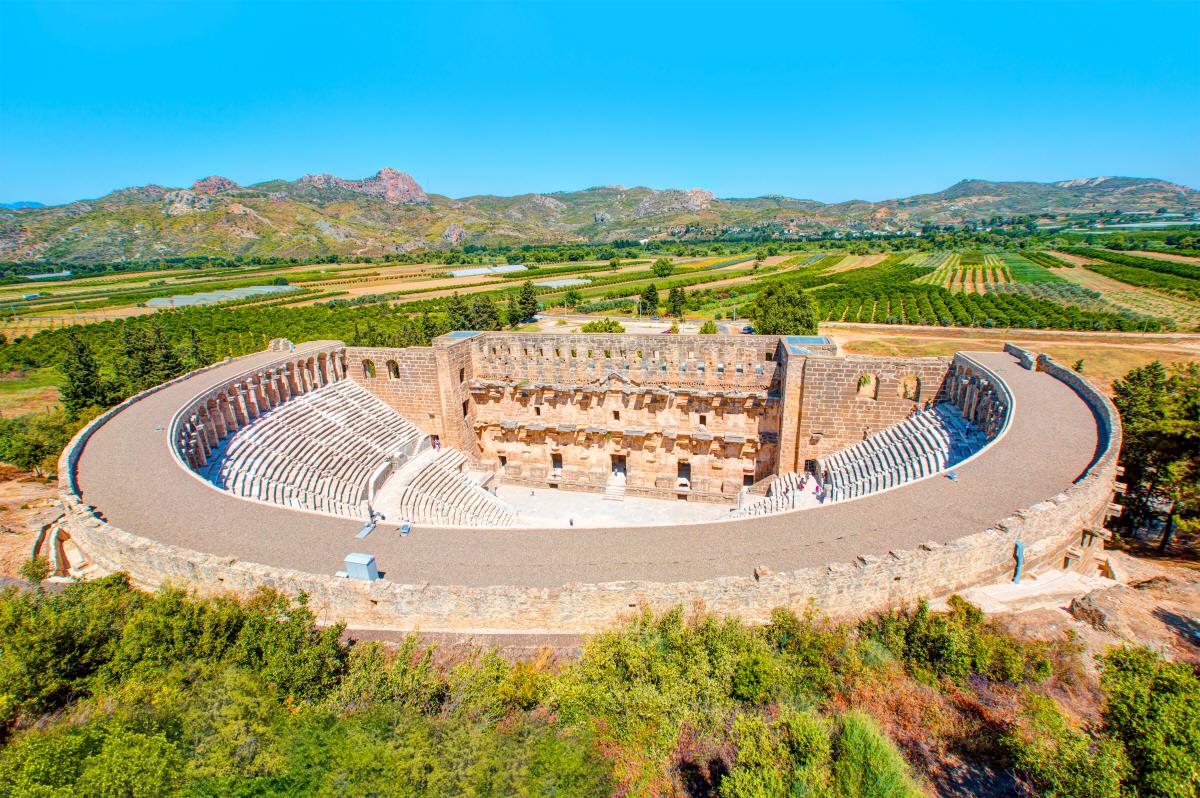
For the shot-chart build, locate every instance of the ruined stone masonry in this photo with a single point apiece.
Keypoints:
(699, 418)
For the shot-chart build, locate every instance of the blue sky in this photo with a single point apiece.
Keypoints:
(827, 101)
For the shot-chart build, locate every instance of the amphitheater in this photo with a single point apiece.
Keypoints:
(510, 482)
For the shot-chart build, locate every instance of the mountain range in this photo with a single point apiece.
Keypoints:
(322, 214)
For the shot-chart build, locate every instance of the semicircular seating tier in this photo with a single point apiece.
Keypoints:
(926, 443)
(320, 451)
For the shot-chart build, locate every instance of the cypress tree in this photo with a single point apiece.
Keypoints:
(649, 301)
(528, 303)
(84, 386)
(195, 356)
(136, 366)
(165, 361)
(513, 311)
(676, 302)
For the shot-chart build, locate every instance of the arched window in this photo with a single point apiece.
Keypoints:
(369, 368)
(393, 370)
(868, 386)
(909, 388)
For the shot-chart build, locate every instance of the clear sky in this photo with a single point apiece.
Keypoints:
(826, 101)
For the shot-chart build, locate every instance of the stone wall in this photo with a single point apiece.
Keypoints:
(837, 410)
(456, 370)
(1048, 530)
(1026, 357)
(406, 379)
(712, 361)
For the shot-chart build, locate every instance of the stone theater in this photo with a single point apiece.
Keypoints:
(510, 481)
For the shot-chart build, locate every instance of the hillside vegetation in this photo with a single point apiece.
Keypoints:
(105, 690)
(324, 215)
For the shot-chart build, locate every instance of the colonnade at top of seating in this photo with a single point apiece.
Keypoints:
(985, 404)
(226, 408)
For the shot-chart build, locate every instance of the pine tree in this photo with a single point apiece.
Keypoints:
(649, 300)
(528, 301)
(458, 314)
(83, 387)
(484, 315)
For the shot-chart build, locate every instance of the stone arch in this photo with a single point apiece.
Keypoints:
(393, 369)
(868, 386)
(368, 368)
(909, 387)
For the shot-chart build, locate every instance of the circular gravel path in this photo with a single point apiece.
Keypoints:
(127, 472)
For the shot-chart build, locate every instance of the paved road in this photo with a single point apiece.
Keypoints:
(127, 472)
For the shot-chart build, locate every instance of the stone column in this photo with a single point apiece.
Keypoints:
(266, 391)
(283, 385)
(197, 451)
(209, 428)
(237, 407)
(226, 410)
(250, 398)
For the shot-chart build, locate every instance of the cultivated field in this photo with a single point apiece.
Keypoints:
(1171, 256)
(1105, 356)
(1137, 300)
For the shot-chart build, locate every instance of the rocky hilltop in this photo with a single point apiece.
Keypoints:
(394, 187)
(323, 214)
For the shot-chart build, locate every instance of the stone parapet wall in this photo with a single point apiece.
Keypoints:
(841, 590)
(1107, 415)
(1026, 357)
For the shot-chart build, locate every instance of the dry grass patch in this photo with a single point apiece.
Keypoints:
(1105, 357)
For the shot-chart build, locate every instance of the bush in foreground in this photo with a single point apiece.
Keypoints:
(106, 690)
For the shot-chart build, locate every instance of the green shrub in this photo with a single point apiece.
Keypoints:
(1060, 761)
(813, 648)
(55, 643)
(407, 677)
(955, 644)
(757, 677)
(867, 764)
(1152, 707)
(605, 325)
(792, 756)
(132, 765)
(642, 681)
